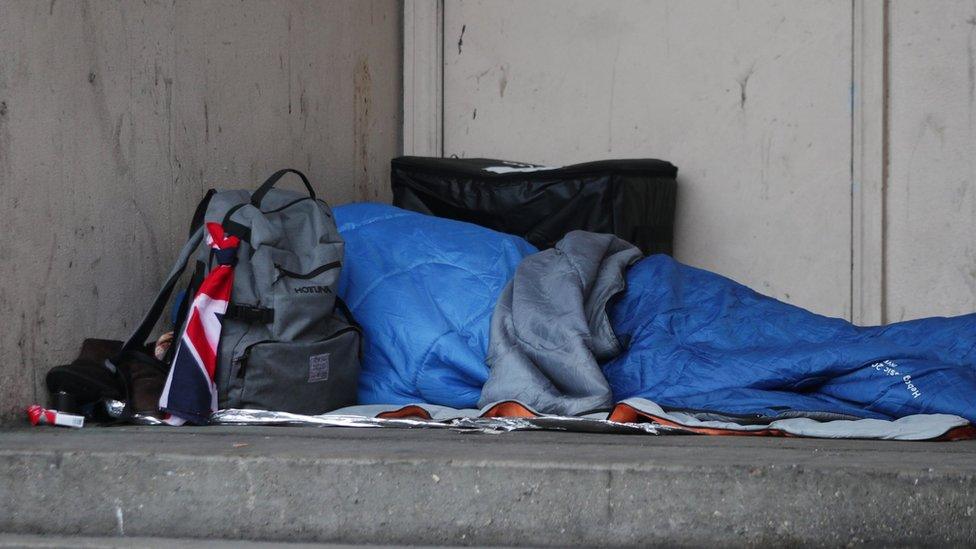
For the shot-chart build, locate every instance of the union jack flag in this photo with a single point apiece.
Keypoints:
(190, 393)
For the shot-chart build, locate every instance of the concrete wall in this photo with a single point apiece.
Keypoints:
(930, 213)
(115, 117)
(750, 100)
(757, 104)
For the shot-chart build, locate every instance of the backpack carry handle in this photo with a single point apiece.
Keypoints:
(258, 195)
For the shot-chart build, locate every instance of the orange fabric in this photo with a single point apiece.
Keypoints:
(623, 413)
(509, 409)
(966, 432)
(405, 412)
(502, 409)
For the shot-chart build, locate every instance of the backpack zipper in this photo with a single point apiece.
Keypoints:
(311, 274)
(241, 361)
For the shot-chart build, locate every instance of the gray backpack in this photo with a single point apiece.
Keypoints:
(287, 342)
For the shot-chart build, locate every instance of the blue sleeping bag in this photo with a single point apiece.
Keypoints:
(699, 341)
(424, 289)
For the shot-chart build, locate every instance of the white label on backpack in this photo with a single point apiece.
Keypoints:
(318, 368)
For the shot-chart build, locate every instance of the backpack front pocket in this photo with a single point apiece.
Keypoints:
(301, 377)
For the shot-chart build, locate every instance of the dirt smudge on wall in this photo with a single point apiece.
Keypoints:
(361, 126)
(502, 81)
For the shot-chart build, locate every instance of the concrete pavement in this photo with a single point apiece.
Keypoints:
(391, 486)
(29, 541)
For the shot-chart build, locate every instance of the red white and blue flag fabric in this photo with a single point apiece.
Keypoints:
(190, 394)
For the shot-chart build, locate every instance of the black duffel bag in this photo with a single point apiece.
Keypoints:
(633, 199)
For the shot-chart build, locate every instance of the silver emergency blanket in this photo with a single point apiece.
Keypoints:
(642, 417)
(115, 408)
(550, 331)
(441, 418)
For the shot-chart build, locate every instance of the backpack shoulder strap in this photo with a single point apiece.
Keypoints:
(141, 333)
(138, 338)
(198, 214)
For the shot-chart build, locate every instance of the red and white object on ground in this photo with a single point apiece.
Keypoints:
(43, 416)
